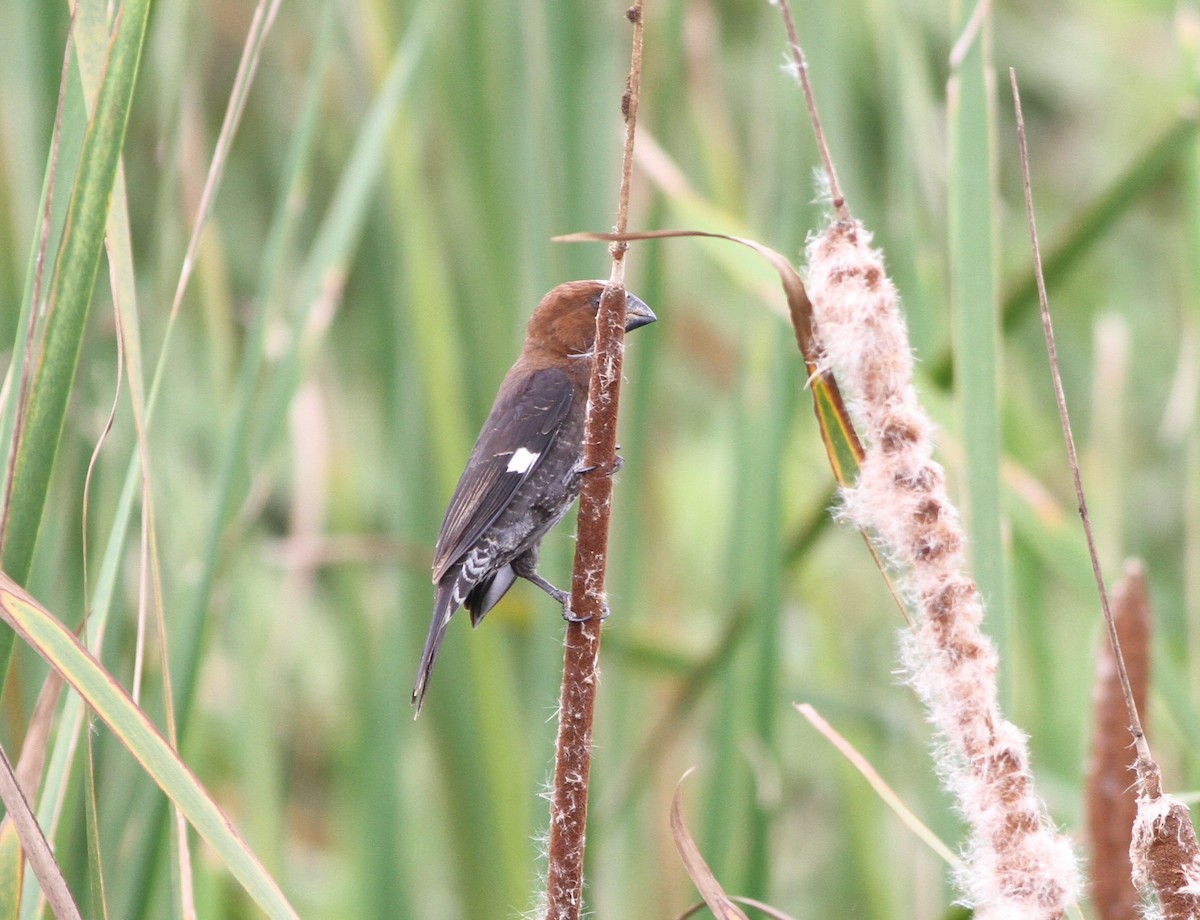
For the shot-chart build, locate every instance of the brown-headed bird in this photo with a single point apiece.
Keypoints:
(526, 467)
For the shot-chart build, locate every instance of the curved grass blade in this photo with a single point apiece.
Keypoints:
(877, 782)
(62, 651)
(706, 883)
(837, 431)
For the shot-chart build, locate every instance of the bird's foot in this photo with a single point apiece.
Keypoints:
(563, 597)
(579, 469)
(571, 618)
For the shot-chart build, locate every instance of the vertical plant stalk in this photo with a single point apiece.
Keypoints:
(1165, 852)
(573, 749)
(70, 298)
(1015, 864)
(34, 308)
(799, 70)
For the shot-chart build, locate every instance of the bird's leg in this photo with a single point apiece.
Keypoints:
(563, 597)
(571, 618)
(526, 567)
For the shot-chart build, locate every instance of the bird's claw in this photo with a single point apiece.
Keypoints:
(618, 462)
(571, 618)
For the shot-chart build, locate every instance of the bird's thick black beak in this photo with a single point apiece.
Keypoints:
(637, 313)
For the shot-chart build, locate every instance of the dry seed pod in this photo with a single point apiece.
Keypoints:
(1164, 852)
(1111, 799)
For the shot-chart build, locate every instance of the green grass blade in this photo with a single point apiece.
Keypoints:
(70, 299)
(343, 224)
(71, 296)
(91, 43)
(187, 647)
(974, 306)
(62, 651)
(65, 145)
(334, 241)
(1152, 167)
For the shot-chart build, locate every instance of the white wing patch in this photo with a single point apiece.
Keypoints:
(522, 460)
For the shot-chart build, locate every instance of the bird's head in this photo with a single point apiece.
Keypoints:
(565, 321)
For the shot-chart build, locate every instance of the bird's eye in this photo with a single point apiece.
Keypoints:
(595, 301)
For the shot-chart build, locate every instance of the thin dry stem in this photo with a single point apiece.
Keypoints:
(1165, 854)
(630, 101)
(801, 64)
(264, 17)
(573, 750)
(34, 845)
(1064, 417)
(878, 783)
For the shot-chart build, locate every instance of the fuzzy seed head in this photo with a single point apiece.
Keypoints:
(1017, 865)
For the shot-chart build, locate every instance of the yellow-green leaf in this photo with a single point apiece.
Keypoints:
(62, 651)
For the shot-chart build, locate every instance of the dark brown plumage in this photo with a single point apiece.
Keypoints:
(525, 469)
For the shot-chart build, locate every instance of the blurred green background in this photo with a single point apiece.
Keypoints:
(357, 298)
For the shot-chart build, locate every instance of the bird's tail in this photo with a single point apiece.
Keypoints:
(443, 609)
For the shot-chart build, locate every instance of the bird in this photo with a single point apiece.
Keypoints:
(526, 468)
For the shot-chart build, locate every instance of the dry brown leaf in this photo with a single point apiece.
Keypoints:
(706, 883)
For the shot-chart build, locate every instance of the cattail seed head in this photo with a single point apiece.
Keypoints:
(1016, 865)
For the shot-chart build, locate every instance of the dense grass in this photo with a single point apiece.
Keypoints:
(379, 238)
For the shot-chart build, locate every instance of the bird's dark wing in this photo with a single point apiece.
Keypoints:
(519, 431)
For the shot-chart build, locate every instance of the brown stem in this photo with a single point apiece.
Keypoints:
(800, 62)
(1165, 852)
(573, 752)
(1135, 723)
